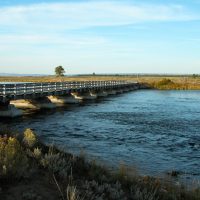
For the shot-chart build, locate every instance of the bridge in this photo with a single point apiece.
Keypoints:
(52, 94)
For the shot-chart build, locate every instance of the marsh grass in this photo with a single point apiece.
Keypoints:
(156, 82)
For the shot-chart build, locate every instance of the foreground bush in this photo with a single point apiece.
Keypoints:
(29, 138)
(13, 160)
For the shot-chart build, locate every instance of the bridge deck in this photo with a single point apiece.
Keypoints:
(12, 91)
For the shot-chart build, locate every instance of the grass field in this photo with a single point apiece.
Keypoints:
(157, 82)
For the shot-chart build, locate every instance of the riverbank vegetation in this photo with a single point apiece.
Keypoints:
(174, 84)
(30, 170)
(157, 82)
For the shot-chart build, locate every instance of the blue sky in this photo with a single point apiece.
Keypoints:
(116, 36)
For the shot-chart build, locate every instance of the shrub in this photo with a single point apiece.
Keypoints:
(29, 138)
(165, 81)
(37, 153)
(13, 160)
(56, 163)
(72, 193)
(145, 194)
(94, 190)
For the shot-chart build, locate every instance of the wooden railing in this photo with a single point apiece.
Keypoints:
(32, 88)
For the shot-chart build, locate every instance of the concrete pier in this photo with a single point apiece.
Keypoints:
(40, 103)
(126, 89)
(111, 92)
(102, 93)
(8, 110)
(119, 91)
(84, 96)
(60, 100)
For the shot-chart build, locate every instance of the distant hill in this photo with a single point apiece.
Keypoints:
(20, 75)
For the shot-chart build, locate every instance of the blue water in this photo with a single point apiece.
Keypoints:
(154, 131)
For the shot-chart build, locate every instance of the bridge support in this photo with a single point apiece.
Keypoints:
(111, 92)
(136, 87)
(38, 103)
(119, 91)
(67, 99)
(8, 110)
(84, 96)
(126, 89)
(101, 93)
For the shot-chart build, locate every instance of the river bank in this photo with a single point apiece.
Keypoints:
(31, 170)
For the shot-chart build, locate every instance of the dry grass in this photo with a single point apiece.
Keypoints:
(174, 83)
(180, 82)
(57, 79)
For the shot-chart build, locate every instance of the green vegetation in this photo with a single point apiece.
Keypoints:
(195, 75)
(13, 160)
(59, 71)
(29, 138)
(30, 170)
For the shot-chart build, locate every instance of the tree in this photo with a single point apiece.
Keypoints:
(59, 71)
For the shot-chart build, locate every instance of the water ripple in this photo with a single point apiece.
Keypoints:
(157, 131)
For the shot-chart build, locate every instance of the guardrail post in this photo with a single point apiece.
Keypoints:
(24, 88)
(48, 87)
(41, 87)
(55, 86)
(15, 89)
(4, 90)
(33, 88)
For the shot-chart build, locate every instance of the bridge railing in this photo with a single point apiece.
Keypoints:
(31, 88)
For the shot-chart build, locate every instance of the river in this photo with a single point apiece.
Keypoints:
(154, 131)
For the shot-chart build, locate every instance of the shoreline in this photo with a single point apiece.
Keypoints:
(46, 170)
(171, 176)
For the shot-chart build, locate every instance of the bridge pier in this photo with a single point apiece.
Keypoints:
(119, 91)
(65, 99)
(84, 95)
(39, 103)
(8, 110)
(100, 93)
(125, 89)
(111, 92)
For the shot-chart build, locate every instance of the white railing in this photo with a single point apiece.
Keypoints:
(33, 88)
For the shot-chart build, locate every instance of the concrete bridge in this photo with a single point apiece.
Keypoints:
(50, 95)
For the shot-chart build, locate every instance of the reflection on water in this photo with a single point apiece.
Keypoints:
(157, 131)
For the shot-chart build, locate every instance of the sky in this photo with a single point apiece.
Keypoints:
(101, 36)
